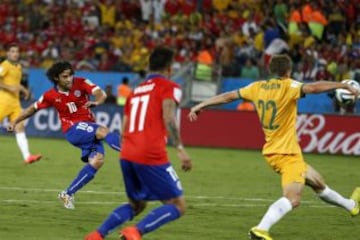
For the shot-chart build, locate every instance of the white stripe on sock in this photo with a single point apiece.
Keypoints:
(116, 147)
(77, 184)
(158, 220)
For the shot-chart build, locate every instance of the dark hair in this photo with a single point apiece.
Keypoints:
(13, 44)
(160, 59)
(56, 69)
(280, 64)
(125, 80)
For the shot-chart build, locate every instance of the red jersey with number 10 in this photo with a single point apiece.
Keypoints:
(145, 134)
(70, 105)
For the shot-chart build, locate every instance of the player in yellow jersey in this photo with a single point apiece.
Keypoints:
(276, 106)
(10, 88)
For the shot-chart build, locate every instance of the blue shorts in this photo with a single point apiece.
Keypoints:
(82, 135)
(148, 182)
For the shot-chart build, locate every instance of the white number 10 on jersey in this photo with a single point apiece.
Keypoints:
(72, 107)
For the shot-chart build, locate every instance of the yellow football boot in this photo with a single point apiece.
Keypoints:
(356, 197)
(256, 234)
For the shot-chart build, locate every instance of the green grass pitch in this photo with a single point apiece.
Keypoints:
(227, 193)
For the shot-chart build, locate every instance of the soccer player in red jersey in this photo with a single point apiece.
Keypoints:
(149, 118)
(71, 98)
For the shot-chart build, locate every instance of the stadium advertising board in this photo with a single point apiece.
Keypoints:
(333, 134)
(46, 123)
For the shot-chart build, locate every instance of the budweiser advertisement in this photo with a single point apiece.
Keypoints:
(317, 133)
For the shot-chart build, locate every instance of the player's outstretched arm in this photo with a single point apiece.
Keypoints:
(28, 112)
(169, 117)
(323, 86)
(216, 100)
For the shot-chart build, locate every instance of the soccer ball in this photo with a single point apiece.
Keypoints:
(343, 96)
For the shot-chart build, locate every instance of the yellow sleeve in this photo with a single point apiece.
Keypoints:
(3, 69)
(295, 89)
(247, 92)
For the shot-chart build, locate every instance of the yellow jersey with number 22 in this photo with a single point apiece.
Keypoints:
(276, 106)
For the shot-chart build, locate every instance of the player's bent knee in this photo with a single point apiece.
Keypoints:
(138, 206)
(101, 132)
(182, 208)
(318, 185)
(295, 203)
(294, 200)
(97, 161)
(179, 204)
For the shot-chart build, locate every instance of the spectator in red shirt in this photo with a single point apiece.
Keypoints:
(105, 63)
(322, 73)
(188, 7)
(172, 7)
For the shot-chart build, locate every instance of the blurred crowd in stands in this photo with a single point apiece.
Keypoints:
(321, 36)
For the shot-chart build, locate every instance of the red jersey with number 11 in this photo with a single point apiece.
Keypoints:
(145, 134)
(69, 105)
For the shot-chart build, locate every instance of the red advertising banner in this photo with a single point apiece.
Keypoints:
(334, 134)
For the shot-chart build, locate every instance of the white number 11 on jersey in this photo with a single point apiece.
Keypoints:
(134, 113)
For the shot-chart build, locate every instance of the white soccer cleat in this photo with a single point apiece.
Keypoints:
(68, 200)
